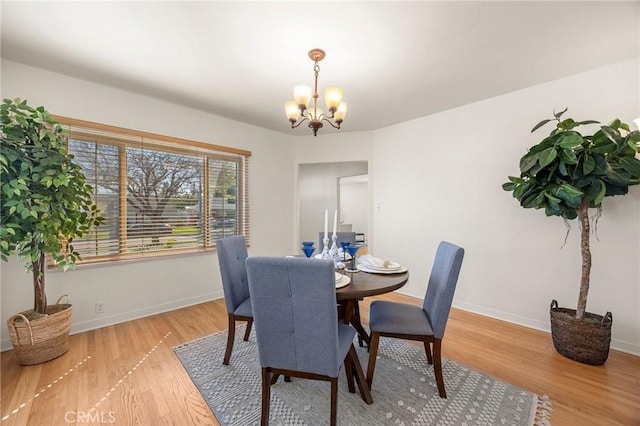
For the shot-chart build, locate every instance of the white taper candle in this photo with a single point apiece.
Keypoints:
(326, 224)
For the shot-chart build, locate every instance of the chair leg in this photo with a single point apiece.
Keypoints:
(231, 334)
(334, 401)
(373, 353)
(365, 390)
(266, 396)
(274, 378)
(357, 314)
(348, 369)
(437, 367)
(248, 330)
(427, 350)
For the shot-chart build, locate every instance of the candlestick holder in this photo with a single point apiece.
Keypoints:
(333, 251)
(325, 249)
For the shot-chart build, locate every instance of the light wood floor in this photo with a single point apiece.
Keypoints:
(127, 374)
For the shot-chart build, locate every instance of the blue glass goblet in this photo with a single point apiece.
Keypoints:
(307, 244)
(308, 250)
(352, 252)
(344, 245)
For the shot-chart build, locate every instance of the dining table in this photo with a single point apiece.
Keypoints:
(365, 284)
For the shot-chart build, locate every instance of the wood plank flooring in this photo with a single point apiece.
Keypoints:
(127, 374)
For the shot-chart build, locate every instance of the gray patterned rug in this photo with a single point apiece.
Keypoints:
(404, 390)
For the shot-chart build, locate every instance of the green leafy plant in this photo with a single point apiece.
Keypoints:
(568, 172)
(44, 198)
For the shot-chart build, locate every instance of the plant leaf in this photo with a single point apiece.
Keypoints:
(547, 156)
(571, 139)
(540, 124)
(631, 165)
(588, 122)
(595, 194)
(558, 114)
(588, 165)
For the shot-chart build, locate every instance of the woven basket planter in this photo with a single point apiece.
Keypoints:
(42, 339)
(587, 340)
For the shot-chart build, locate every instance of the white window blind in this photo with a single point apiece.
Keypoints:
(159, 195)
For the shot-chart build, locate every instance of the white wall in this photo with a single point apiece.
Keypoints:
(439, 178)
(354, 202)
(326, 149)
(318, 190)
(137, 288)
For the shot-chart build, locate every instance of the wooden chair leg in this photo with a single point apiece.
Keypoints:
(357, 314)
(274, 378)
(266, 397)
(427, 350)
(231, 334)
(373, 353)
(348, 369)
(334, 401)
(437, 367)
(365, 390)
(248, 330)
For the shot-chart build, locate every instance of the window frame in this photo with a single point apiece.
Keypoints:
(103, 134)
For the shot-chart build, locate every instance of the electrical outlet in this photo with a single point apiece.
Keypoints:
(99, 307)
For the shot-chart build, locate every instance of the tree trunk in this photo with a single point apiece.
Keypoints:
(583, 216)
(39, 296)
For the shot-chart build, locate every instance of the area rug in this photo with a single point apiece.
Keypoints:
(404, 390)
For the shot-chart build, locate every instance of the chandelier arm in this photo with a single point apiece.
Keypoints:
(294, 124)
(331, 123)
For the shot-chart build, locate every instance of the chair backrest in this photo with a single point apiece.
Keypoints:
(442, 285)
(232, 255)
(342, 236)
(294, 311)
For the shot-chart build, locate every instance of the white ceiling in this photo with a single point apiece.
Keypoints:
(395, 60)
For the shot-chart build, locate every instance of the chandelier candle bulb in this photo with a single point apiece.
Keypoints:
(302, 95)
(340, 113)
(333, 97)
(293, 113)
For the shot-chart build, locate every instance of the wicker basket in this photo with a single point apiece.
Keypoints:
(42, 339)
(585, 340)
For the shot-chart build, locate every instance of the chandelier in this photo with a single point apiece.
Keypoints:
(302, 96)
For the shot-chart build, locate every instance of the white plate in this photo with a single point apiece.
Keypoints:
(343, 282)
(401, 270)
(338, 276)
(391, 266)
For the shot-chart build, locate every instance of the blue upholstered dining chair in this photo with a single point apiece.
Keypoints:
(297, 330)
(232, 255)
(425, 324)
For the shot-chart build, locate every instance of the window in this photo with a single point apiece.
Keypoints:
(159, 195)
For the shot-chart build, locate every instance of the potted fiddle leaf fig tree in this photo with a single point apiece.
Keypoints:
(565, 175)
(45, 203)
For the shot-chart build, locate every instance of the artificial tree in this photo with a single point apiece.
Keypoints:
(44, 198)
(568, 172)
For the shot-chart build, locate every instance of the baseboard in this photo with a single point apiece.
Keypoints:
(618, 345)
(121, 317)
